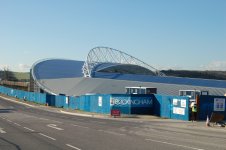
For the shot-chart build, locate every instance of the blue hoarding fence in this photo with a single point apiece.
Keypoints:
(174, 107)
(211, 104)
(104, 103)
(132, 104)
(98, 103)
(39, 98)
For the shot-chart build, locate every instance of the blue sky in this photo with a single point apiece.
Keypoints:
(167, 34)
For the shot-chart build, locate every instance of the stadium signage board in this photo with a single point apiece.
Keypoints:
(133, 101)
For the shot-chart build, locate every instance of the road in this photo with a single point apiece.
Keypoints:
(25, 127)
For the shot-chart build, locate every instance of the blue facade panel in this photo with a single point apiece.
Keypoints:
(72, 103)
(211, 104)
(91, 103)
(132, 104)
(121, 102)
(40, 98)
(50, 100)
(81, 102)
(60, 101)
(175, 107)
(23, 95)
(142, 104)
(107, 104)
(100, 103)
(179, 108)
(165, 107)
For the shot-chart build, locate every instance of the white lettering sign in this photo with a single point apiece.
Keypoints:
(100, 101)
(179, 111)
(183, 103)
(175, 101)
(127, 101)
(66, 100)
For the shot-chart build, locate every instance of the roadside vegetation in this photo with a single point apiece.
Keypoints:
(133, 69)
(16, 80)
(218, 75)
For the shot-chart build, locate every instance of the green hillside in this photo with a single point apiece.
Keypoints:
(218, 75)
(15, 76)
(22, 75)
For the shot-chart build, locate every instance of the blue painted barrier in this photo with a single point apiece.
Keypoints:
(211, 104)
(174, 107)
(39, 98)
(72, 103)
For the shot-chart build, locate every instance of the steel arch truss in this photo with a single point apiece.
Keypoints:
(101, 55)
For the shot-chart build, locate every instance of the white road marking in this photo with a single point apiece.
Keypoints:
(73, 147)
(29, 129)
(54, 127)
(47, 136)
(8, 120)
(2, 131)
(16, 101)
(43, 118)
(173, 144)
(80, 126)
(111, 132)
(17, 124)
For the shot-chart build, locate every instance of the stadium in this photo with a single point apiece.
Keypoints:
(108, 70)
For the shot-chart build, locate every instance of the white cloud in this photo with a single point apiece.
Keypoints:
(23, 67)
(17, 68)
(4, 66)
(167, 67)
(215, 65)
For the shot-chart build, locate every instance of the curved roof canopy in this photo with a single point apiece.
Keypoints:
(112, 57)
(55, 69)
(56, 76)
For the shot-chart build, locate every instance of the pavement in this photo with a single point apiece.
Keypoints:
(34, 126)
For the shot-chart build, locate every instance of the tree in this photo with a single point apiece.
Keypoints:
(8, 75)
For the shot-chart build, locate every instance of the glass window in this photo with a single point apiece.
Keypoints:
(142, 91)
(188, 92)
(127, 91)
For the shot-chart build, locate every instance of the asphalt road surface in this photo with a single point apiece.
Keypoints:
(25, 127)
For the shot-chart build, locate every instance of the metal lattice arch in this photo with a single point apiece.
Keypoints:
(100, 55)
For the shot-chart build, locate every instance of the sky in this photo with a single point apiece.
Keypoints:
(166, 34)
